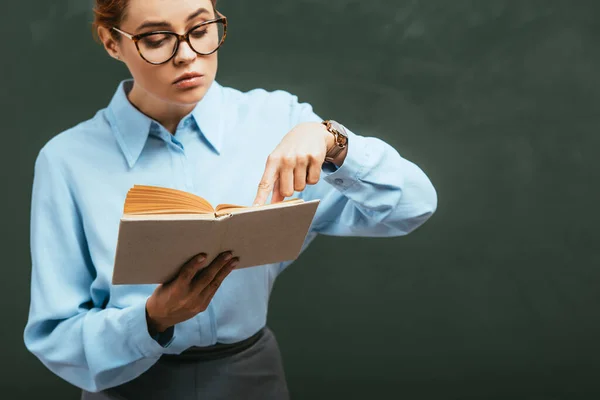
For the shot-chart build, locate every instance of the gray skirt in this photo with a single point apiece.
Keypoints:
(251, 369)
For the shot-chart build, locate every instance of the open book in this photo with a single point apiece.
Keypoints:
(162, 228)
(143, 199)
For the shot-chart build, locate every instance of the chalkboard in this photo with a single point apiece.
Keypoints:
(496, 297)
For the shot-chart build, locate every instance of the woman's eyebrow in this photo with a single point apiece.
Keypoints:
(165, 24)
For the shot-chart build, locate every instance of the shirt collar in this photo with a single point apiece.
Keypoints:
(208, 116)
(132, 127)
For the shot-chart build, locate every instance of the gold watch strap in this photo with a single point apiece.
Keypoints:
(340, 141)
(333, 153)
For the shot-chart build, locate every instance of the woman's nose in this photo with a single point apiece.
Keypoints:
(185, 52)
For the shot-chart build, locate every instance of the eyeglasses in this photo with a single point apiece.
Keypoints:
(159, 47)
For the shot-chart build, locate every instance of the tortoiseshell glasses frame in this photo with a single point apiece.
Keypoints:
(221, 19)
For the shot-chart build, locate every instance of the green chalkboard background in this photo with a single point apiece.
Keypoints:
(496, 297)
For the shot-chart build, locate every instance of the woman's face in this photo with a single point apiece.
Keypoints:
(163, 81)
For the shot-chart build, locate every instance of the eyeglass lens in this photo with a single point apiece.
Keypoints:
(159, 47)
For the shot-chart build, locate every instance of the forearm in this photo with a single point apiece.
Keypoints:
(94, 349)
(376, 192)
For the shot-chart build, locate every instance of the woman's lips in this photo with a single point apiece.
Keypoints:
(190, 82)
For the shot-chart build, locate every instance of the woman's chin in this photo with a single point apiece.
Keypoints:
(188, 96)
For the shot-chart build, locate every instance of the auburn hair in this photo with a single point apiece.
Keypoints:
(109, 13)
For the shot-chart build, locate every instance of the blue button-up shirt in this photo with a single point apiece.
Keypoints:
(93, 334)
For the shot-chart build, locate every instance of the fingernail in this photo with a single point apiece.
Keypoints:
(228, 256)
(200, 258)
(234, 263)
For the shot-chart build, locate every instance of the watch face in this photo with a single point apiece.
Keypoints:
(336, 125)
(342, 138)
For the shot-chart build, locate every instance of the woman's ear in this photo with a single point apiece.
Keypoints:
(110, 44)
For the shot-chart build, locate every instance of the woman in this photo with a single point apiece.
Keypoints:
(173, 125)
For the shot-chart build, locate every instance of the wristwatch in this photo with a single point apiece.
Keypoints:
(340, 137)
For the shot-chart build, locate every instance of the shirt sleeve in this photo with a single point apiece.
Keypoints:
(375, 193)
(90, 347)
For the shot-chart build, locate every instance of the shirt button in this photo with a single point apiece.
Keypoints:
(339, 181)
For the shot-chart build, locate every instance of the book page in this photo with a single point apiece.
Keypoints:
(228, 207)
(233, 209)
(144, 199)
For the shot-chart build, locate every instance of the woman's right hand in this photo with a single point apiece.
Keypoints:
(189, 293)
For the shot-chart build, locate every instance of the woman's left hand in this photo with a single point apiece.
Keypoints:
(296, 162)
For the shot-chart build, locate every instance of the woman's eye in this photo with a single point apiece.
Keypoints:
(154, 43)
(199, 33)
(154, 40)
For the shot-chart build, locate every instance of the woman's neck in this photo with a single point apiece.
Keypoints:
(167, 114)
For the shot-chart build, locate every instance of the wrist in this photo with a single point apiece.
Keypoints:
(337, 142)
(155, 325)
(329, 138)
(340, 158)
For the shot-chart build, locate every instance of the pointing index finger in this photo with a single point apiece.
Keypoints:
(267, 182)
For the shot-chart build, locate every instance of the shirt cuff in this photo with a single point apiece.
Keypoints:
(355, 165)
(137, 326)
